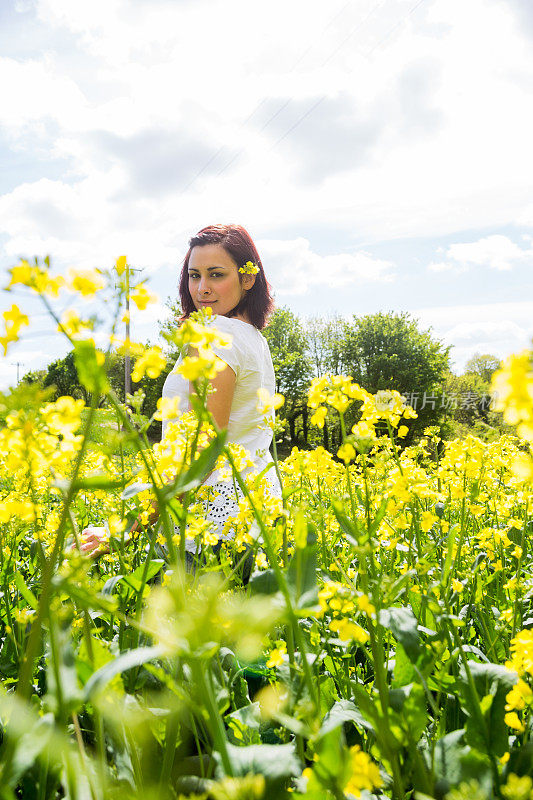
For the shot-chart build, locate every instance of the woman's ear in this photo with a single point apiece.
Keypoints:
(248, 281)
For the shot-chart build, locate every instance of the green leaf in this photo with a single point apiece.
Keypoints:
(197, 471)
(135, 488)
(449, 552)
(63, 693)
(342, 711)
(414, 711)
(244, 725)
(277, 762)
(301, 572)
(380, 513)
(367, 706)
(493, 681)
(26, 593)
(521, 760)
(237, 683)
(124, 662)
(404, 673)
(135, 579)
(403, 625)
(264, 582)
(98, 482)
(447, 760)
(355, 535)
(91, 373)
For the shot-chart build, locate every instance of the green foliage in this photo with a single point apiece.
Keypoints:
(289, 349)
(389, 351)
(62, 375)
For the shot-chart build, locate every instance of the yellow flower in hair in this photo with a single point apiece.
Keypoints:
(249, 268)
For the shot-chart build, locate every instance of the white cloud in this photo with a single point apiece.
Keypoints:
(294, 267)
(35, 93)
(497, 328)
(413, 136)
(495, 252)
(485, 333)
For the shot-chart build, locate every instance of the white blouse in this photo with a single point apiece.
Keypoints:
(249, 358)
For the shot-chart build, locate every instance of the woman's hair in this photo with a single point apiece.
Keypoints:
(257, 303)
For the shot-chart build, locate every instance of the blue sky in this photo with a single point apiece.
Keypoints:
(379, 152)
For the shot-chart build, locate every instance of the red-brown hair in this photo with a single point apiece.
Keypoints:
(257, 303)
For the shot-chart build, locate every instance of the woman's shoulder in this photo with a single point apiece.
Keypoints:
(246, 338)
(235, 326)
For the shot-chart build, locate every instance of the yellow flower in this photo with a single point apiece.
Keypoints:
(403, 430)
(364, 773)
(518, 788)
(261, 561)
(267, 402)
(365, 605)
(194, 367)
(319, 416)
(151, 363)
(14, 319)
(120, 265)
(36, 278)
(512, 389)
(85, 281)
(72, 325)
(519, 696)
(427, 521)
(141, 297)
(167, 408)
(276, 657)
(346, 452)
(347, 630)
(249, 268)
(512, 720)
(522, 653)
(457, 586)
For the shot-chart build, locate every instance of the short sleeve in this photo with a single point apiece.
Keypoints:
(235, 355)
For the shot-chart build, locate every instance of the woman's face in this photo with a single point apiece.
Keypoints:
(214, 279)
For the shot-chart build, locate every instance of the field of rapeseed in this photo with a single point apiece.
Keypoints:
(382, 648)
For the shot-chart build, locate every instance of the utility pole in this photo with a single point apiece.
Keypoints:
(17, 364)
(127, 364)
(127, 372)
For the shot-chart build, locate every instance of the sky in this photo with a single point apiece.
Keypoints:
(378, 152)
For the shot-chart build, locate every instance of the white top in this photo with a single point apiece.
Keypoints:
(249, 358)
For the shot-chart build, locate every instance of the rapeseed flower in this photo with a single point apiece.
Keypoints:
(142, 297)
(151, 363)
(14, 320)
(85, 281)
(364, 773)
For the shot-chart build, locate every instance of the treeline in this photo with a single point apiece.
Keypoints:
(379, 351)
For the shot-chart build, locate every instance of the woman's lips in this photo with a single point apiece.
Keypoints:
(206, 302)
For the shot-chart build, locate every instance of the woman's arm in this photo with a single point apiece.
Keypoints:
(220, 400)
(94, 539)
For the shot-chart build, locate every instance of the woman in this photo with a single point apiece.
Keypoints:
(216, 273)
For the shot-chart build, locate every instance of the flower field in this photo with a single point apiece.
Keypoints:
(383, 646)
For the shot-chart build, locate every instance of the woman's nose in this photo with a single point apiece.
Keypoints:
(204, 286)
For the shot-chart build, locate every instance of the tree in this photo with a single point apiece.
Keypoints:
(34, 376)
(289, 349)
(63, 375)
(388, 351)
(484, 365)
(326, 337)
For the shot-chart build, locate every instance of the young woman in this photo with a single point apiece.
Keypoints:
(212, 275)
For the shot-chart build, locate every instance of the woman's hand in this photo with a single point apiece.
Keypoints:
(94, 541)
